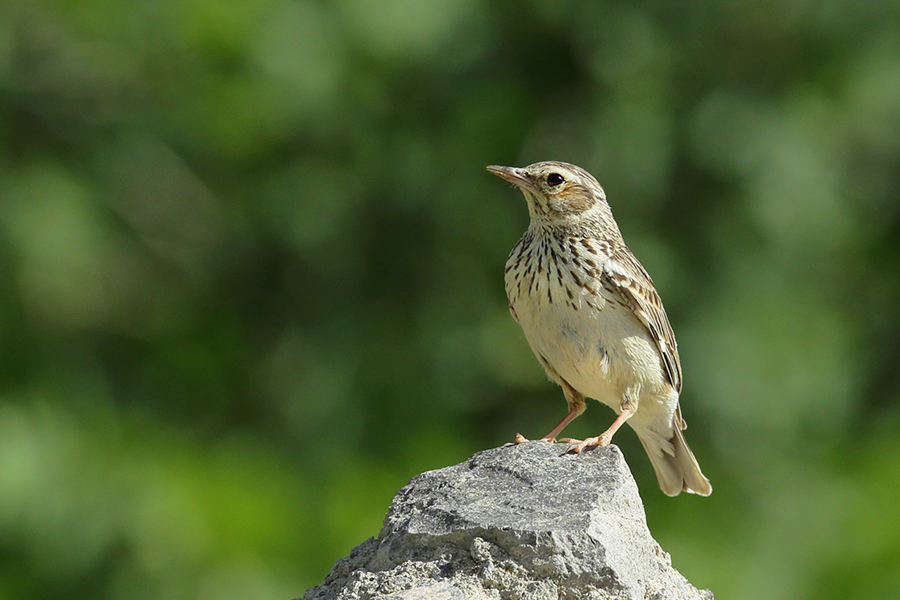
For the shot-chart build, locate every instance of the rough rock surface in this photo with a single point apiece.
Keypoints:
(524, 521)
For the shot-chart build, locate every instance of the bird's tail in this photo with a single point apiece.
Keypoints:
(676, 468)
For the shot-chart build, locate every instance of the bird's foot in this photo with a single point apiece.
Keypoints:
(521, 439)
(604, 439)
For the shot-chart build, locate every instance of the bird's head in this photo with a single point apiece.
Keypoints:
(557, 193)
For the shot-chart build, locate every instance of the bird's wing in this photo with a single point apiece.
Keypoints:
(512, 311)
(629, 278)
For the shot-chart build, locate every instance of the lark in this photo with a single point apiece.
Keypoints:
(594, 319)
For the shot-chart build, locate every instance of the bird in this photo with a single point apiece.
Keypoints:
(593, 318)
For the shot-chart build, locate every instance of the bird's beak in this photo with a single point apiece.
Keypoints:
(511, 174)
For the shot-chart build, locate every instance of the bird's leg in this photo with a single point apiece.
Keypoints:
(576, 406)
(627, 410)
(570, 416)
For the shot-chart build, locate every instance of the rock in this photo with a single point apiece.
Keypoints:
(525, 521)
(441, 591)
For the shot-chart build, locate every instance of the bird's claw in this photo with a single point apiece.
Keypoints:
(521, 439)
(577, 446)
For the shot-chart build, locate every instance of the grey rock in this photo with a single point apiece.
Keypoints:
(525, 521)
(440, 591)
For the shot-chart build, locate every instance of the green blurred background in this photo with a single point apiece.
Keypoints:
(252, 275)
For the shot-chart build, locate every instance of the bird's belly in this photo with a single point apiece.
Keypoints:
(599, 350)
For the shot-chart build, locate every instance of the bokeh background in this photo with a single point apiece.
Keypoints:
(251, 275)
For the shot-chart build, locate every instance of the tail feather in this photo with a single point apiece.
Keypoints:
(676, 468)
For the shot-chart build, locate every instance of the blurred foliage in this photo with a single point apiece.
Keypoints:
(252, 275)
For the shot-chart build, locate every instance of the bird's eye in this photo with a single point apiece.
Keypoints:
(554, 179)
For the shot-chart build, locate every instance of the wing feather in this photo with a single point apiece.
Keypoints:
(631, 280)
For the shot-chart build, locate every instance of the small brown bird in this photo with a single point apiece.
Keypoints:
(591, 314)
